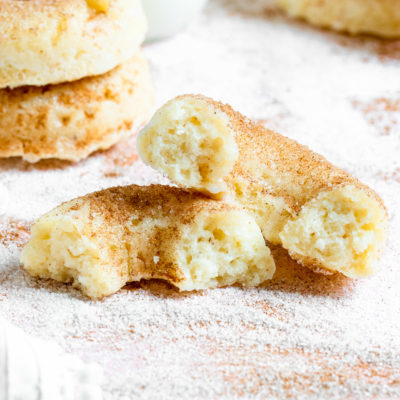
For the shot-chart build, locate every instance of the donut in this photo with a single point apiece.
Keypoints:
(375, 17)
(71, 120)
(103, 240)
(51, 41)
(322, 215)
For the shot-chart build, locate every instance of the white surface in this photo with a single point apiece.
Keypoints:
(167, 17)
(32, 369)
(301, 336)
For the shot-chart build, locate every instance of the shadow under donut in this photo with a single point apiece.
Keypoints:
(292, 277)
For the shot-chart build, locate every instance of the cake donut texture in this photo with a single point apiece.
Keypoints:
(51, 41)
(376, 17)
(105, 239)
(322, 215)
(71, 120)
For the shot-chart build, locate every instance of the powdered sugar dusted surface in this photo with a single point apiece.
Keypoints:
(303, 335)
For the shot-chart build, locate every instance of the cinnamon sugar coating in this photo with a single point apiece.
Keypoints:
(105, 239)
(376, 17)
(51, 41)
(71, 120)
(281, 183)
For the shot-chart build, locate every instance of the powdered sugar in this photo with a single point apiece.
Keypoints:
(302, 335)
(32, 368)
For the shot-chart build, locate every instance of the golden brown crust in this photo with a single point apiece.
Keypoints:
(51, 41)
(71, 120)
(376, 17)
(302, 173)
(276, 178)
(103, 240)
(299, 175)
(119, 207)
(118, 204)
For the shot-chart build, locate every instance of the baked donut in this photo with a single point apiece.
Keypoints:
(376, 17)
(105, 239)
(71, 120)
(322, 215)
(51, 41)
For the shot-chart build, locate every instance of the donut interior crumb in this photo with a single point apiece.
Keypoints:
(321, 214)
(341, 230)
(192, 143)
(106, 239)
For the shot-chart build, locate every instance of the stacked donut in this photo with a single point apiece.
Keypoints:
(73, 79)
(374, 17)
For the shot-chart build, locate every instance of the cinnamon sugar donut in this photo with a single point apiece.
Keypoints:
(322, 215)
(71, 120)
(103, 240)
(51, 41)
(376, 17)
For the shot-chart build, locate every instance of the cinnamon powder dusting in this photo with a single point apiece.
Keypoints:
(14, 233)
(388, 50)
(382, 113)
(390, 176)
(122, 154)
(302, 335)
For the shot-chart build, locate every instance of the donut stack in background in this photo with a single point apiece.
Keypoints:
(373, 17)
(73, 79)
